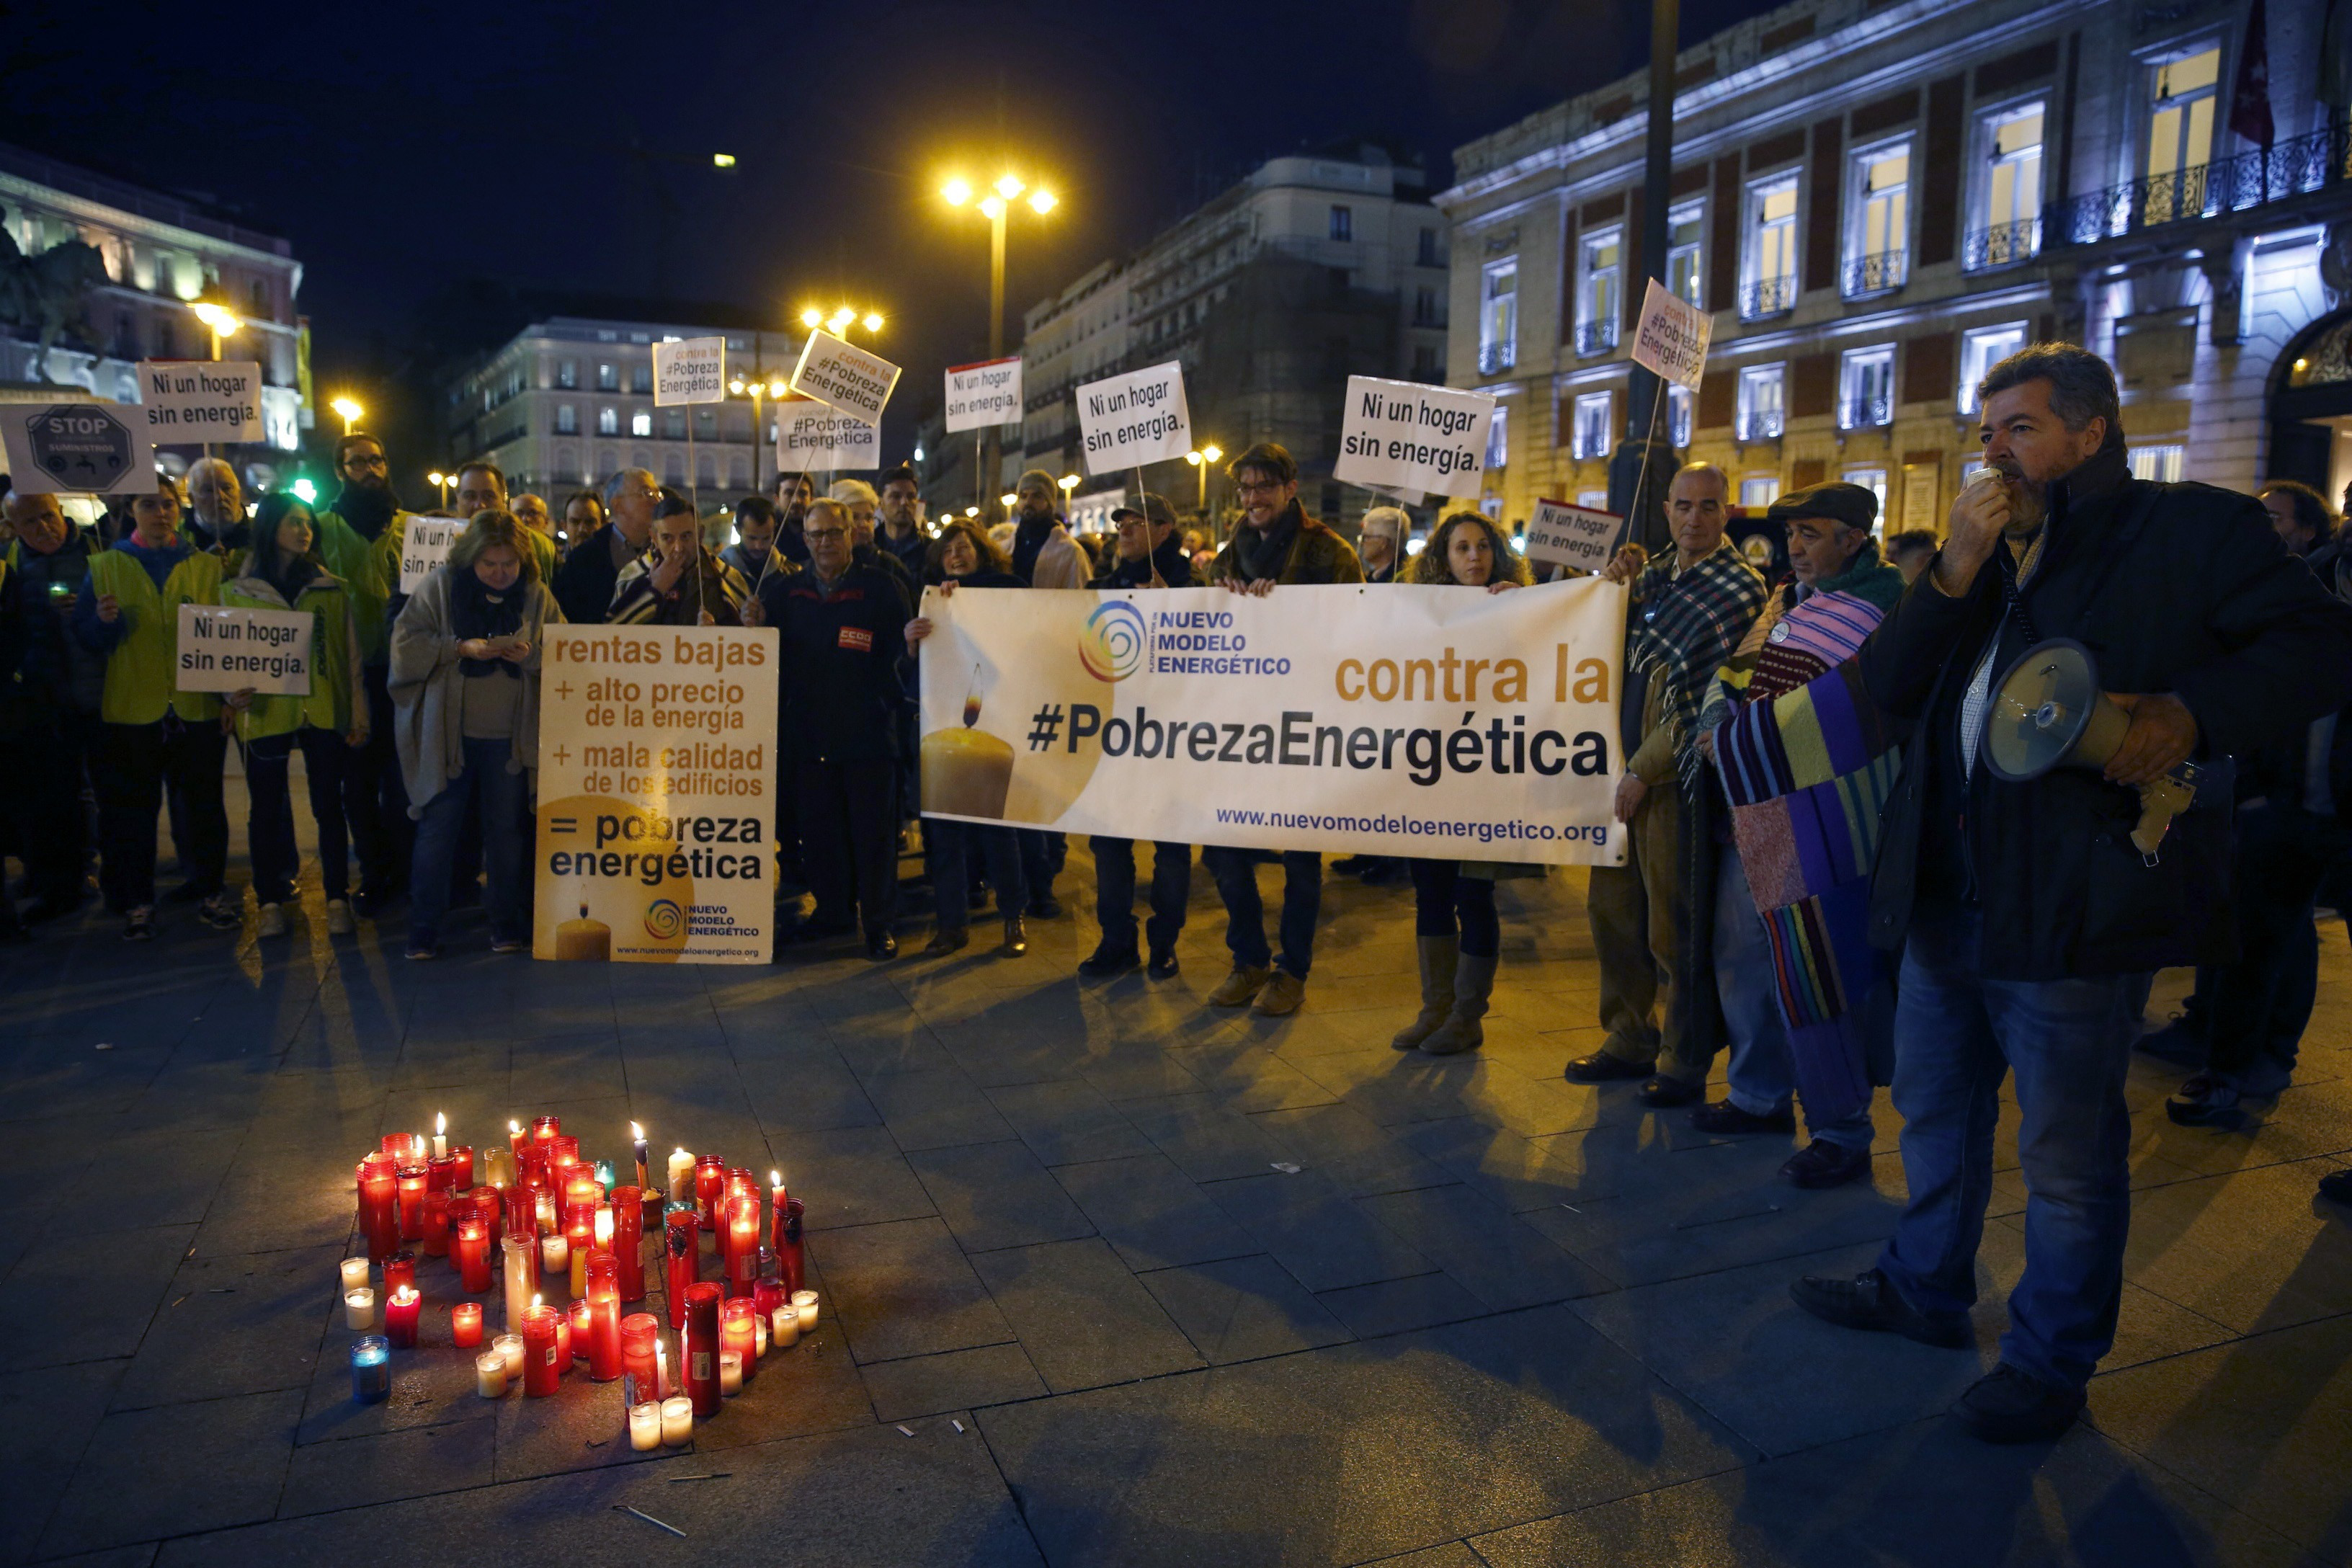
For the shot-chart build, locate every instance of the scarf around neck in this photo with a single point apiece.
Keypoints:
(1265, 555)
(476, 610)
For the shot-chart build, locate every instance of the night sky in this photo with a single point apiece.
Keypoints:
(428, 161)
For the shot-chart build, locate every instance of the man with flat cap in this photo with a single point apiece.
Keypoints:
(1823, 1052)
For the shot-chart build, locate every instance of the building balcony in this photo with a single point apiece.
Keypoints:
(1758, 424)
(1762, 297)
(1866, 413)
(1496, 358)
(1596, 337)
(2002, 245)
(1881, 272)
(2288, 169)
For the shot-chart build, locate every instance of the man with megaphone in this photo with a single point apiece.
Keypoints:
(2027, 916)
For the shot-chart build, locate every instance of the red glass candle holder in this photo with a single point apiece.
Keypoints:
(701, 1351)
(710, 1187)
(678, 1235)
(399, 1268)
(639, 1332)
(542, 1358)
(411, 1180)
(777, 1200)
(792, 1266)
(405, 1147)
(523, 1207)
(739, 1332)
(603, 1318)
(469, 1249)
(562, 1159)
(379, 1191)
(741, 1249)
(490, 1208)
(435, 1241)
(441, 1173)
(546, 1129)
(401, 1312)
(629, 1241)
(464, 1156)
(466, 1325)
(579, 1326)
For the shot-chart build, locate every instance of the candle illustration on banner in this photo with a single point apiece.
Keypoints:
(587, 941)
(967, 770)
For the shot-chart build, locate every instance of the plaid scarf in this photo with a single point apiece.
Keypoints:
(1684, 626)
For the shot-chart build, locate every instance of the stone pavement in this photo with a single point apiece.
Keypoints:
(1490, 1317)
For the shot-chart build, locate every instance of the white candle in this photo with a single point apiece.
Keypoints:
(662, 1384)
(677, 1420)
(359, 1309)
(787, 1331)
(730, 1372)
(759, 1334)
(681, 1177)
(805, 1303)
(490, 1374)
(440, 1135)
(510, 1347)
(555, 1253)
(355, 1274)
(645, 1426)
(522, 1278)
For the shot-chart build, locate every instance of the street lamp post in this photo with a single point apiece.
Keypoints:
(996, 205)
(220, 320)
(1070, 485)
(350, 411)
(444, 481)
(755, 389)
(1201, 457)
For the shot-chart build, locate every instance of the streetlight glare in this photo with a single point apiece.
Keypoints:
(1009, 499)
(1193, 458)
(873, 321)
(775, 389)
(434, 478)
(1068, 482)
(736, 386)
(812, 317)
(722, 160)
(957, 192)
(347, 408)
(1008, 187)
(992, 207)
(1210, 453)
(971, 511)
(219, 319)
(1043, 201)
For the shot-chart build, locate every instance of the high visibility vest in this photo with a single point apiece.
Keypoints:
(329, 705)
(140, 685)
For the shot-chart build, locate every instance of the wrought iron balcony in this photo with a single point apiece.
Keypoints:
(1866, 413)
(1876, 273)
(1759, 425)
(1596, 337)
(1495, 357)
(2002, 245)
(1761, 297)
(2206, 190)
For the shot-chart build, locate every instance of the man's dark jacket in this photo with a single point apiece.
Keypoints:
(583, 583)
(2179, 588)
(1174, 566)
(841, 652)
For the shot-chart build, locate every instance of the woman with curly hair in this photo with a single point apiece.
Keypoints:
(1455, 929)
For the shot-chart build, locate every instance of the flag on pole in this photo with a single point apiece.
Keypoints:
(2250, 99)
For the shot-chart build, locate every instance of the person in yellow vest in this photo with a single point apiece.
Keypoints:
(128, 613)
(366, 509)
(283, 571)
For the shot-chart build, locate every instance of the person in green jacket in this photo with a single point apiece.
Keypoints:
(283, 571)
(151, 731)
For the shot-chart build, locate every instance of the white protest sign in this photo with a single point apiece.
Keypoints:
(855, 382)
(267, 651)
(1130, 420)
(690, 369)
(78, 449)
(1401, 436)
(982, 394)
(425, 546)
(1575, 536)
(1671, 337)
(813, 438)
(192, 400)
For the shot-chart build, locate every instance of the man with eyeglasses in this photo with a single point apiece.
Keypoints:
(584, 583)
(1276, 542)
(360, 538)
(794, 492)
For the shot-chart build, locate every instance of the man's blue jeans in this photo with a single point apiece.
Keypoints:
(1171, 889)
(506, 845)
(1302, 899)
(1957, 1034)
(1762, 1076)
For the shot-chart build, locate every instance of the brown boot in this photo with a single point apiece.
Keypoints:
(1240, 988)
(1438, 955)
(1474, 985)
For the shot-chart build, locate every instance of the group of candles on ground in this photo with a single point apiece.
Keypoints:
(562, 1230)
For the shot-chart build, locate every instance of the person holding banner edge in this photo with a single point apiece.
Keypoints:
(1276, 542)
(1456, 933)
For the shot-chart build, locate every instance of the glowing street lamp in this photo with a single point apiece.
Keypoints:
(1201, 457)
(350, 410)
(444, 481)
(755, 388)
(222, 321)
(1069, 484)
(994, 207)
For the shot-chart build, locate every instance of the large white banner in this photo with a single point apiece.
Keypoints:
(1407, 440)
(657, 777)
(845, 375)
(1125, 421)
(1436, 722)
(814, 437)
(224, 648)
(191, 401)
(983, 395)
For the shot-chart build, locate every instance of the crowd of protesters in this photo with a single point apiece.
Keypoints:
(1823, 878)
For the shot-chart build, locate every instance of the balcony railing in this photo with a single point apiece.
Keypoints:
(2206, 190)
(1596, 337)
(1866, 413)
(2002, 245)
(1759, 425)
(1496, 357)
(1761, 297)
(1876, 273)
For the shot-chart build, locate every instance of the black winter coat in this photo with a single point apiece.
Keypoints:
(2174, 588)
(841, 688)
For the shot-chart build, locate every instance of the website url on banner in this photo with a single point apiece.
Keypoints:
(1417, 827)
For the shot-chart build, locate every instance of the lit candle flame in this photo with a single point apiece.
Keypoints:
(440, 1124)
(681, 1151)
(636, 1132)
(775, 1178)
(514, 1126)
(534, 1303)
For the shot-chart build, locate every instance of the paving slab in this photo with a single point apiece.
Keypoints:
(1153, 1215)
(47, 1418)
(905, 1289)
(950, 1381)
(1322, 1235)
(997, 1195)
(1243, 1309)
(359, 1472)
(236, 1324)
(177, 1469)
(1083, 1318)
(76, 1296)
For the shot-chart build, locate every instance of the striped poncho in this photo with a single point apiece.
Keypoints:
(1807, 762)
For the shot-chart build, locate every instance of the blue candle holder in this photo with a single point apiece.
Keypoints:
(370, 1368)
(604, 1174)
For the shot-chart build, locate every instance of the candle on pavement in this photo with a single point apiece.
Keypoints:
(466, 1324)
(677, 1421)
(490, 1374)
(681, 1176)
(730, 1373)
(355, 1273)
(805, 1302)
(555, 1253)
(359, 1309)
(370, 1368)
(637, 1138)
(440, 1134)
(737, 1334)
(541, 1369)
(400, 1315)
(644, 1427)
(510, 1347)
(521, 1257)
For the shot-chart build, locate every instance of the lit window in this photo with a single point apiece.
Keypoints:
(608, 422)
(1683, 228)
(567, 374)
(1982, 349)
(1596, 501)
(1874, 482)
(567, 420)
(1678, 416)
(1866, 388)
(1600, 299)
(2011, 229)
(1758, 491)
(1498, 317)
(1498, 439)
(2182, 99)
(1877, 250)
(1760, 402)
(608, 378)
(2162, 464)
(1590, 437)
(1771, 286)
(640, 423)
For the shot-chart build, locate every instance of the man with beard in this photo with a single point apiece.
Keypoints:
(217, 502)
(755, 535)
(1277, 543)
(902, 533)
(1043, 553)
(794, 493)
(2027, 918)
(360, 538)
(583, 584)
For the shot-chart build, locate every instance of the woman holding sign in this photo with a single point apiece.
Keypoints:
(464, 693)
(1455, 929)
(283, 571)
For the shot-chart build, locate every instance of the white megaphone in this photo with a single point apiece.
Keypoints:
(2047, 711)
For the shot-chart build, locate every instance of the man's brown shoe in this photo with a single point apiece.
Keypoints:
(1240, 988)
(1281, 995)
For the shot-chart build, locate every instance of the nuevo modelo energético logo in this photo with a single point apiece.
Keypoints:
(1112, 643)
(664, 919)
